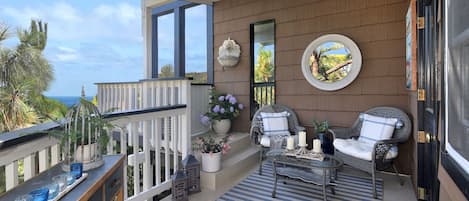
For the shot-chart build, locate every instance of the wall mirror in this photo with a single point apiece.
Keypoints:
(331, 62)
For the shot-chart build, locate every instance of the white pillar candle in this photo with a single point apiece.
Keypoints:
(316, 146)
(290, 143)
(302, 135)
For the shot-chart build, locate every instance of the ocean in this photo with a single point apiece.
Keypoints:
(70, 100)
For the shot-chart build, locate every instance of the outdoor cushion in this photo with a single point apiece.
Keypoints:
(275, 123)
(360, 149)
(375, 128)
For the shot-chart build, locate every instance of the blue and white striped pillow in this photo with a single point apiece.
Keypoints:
(275, 123)
(376, 128)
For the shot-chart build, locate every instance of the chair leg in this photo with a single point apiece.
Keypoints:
(401, 181)
(260, 161)
(373, 178)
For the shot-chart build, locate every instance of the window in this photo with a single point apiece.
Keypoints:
(456, 158)
(182, 41)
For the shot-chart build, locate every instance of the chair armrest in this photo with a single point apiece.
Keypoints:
(381, 149)
(342, 133)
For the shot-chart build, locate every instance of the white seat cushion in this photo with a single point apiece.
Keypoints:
(360, 149)
(376, 128)
(275, 123)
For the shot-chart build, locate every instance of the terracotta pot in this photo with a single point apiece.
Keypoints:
(222, 126)
(211, 162)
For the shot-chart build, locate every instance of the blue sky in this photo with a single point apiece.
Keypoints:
(88, 41)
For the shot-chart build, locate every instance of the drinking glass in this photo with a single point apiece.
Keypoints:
(60, 180)
(53, 190)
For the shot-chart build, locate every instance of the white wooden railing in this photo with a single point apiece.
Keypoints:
(37, 153)
(162, 127)
(124, 96)
(154, 120)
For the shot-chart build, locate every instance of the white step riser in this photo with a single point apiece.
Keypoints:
(237, 146)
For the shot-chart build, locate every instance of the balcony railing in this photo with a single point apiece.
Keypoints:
(153, 128)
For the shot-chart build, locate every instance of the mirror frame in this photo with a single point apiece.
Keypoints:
(340, 84)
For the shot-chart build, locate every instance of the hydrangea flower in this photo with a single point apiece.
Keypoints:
(233, 100)
(222, 110)
(221, 98)
(205, 120)
(216, 108)
(231, 109)
(240, 106)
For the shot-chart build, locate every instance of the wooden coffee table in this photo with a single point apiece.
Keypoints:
(316, 172)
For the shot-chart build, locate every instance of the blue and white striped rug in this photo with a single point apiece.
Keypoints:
(259, 187)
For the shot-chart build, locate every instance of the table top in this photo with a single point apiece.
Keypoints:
(329, 162)
(44, 178)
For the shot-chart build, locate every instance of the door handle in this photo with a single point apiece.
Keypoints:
(429, 137)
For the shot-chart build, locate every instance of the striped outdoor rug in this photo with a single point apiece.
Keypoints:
(259, 187)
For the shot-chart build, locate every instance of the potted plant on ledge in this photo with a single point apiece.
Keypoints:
(222, 109)
(212, 150)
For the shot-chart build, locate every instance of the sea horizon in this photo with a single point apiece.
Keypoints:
(69, 100)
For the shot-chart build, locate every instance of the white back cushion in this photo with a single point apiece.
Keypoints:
(376, 128)
(275, 123)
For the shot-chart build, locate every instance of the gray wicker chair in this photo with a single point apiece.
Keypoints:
(381, 148)
(256, 131)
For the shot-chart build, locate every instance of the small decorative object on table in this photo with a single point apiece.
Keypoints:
(222, 109)
(192, 168)
(211, 151)
(84, 136)
(302, 143)
(179, 186)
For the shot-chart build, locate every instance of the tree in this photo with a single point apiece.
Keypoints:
(264, 68)
(167, 71)
(330, 62)
(24, 75)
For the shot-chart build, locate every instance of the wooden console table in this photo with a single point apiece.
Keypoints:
(103, 183)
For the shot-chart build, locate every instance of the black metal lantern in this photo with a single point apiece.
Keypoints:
(179, 186)
(192, 168)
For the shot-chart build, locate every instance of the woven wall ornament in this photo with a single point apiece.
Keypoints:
(229, 53)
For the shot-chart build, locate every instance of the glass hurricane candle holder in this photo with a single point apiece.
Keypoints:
(60, 180)
(53, 190)
(41, 194)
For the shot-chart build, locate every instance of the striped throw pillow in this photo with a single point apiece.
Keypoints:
(275, 123)
(376, 128)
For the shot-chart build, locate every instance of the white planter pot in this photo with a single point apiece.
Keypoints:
(211, 162)
(88, 151)
(221, 126)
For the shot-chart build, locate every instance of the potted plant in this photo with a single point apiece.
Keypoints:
(84, 136)
(222, 109)
(321, 129)
(212, 150)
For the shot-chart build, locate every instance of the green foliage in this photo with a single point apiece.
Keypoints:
(264, 68)
(24, 75)
(167, 71)
(320, 127)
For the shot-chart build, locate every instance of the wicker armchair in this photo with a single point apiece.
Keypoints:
(256, 131)
(379, 160)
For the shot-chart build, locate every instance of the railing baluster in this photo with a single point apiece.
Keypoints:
(54, 154)
(11, 175)
(157, 143)
(43, 160)
(29, 168)
(134, 134)
(174, 140)
(147, 171)
(167, 151)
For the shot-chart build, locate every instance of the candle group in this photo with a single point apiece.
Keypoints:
(317, 146)
(302, 136)
(290, 143)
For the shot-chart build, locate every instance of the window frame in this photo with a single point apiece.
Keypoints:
(178, 8)
(451, 160)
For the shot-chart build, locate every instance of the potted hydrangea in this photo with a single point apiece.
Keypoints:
(222, 109)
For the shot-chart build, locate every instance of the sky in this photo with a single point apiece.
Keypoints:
(88, 41)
